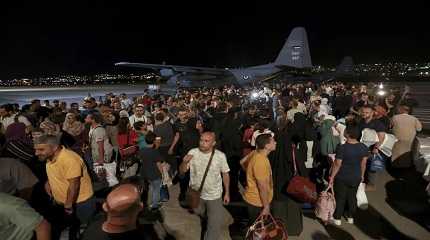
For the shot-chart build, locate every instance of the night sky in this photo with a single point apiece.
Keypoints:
(39, 39)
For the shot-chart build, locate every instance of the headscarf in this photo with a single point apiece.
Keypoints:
(15, 131)
(49, 127)
(72, 126)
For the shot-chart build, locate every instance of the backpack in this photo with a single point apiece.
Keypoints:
(325, 206)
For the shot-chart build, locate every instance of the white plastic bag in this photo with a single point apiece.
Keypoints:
(166, 179)
(369, 137)
(362, 202)
(388, 144)
(110, 171)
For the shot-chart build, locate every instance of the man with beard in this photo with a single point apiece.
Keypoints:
(211, 201)
(368, 121)
(186, 138)
(69, 184)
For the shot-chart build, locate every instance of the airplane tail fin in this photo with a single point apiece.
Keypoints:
(346, 67)
(295, 52)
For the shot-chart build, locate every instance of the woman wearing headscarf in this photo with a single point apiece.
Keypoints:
(281, 160)
(72, 126)
(328, 143)
(304, 134)
(16, 131)
(73, 129)
(18, 143)
(49, 127)
(300, 133)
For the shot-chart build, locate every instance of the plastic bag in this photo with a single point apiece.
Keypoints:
(362, 202)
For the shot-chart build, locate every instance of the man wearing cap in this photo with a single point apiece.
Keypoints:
(89, 105)
(122, 208)
(138, 116)
(68, 182)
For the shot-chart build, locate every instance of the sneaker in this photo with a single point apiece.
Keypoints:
(350, 220)
(336, 222)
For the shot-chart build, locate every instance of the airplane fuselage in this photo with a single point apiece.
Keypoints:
(251, 75)
(237, 76)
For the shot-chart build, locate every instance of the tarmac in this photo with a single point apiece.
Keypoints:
(398, 209)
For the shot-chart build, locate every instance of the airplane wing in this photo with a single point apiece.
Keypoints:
(176, 68)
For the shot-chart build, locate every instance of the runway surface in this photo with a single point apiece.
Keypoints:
(68, 94)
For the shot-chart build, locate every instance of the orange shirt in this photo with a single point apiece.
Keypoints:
(258, 169)
(68, 165)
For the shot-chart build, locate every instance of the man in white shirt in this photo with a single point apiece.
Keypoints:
(405, 128)
(139, 115)
(101, 149)
(211, 204)
(7, 117)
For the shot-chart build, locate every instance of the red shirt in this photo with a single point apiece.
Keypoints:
(123, 141)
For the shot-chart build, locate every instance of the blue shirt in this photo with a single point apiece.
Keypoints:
(351, 156)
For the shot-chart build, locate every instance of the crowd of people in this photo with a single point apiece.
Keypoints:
(231, 144)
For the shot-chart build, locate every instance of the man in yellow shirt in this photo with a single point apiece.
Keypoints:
(68, 182)
(259, 191)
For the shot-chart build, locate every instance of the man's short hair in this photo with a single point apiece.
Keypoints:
(262, 140)
(47, 139)
(150, 137)
(97, 117)
(352, 131)
(139, 125)
(405, 108)
(7, 107)
(159, 116)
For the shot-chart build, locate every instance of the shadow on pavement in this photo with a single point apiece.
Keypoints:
(374, 225)
(406, 195)
(334, 233)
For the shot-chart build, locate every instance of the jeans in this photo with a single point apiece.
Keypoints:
(85, 210)
(154, 189)
(82, 214)
(346, 199)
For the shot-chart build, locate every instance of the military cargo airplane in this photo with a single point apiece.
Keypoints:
(294, 54)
